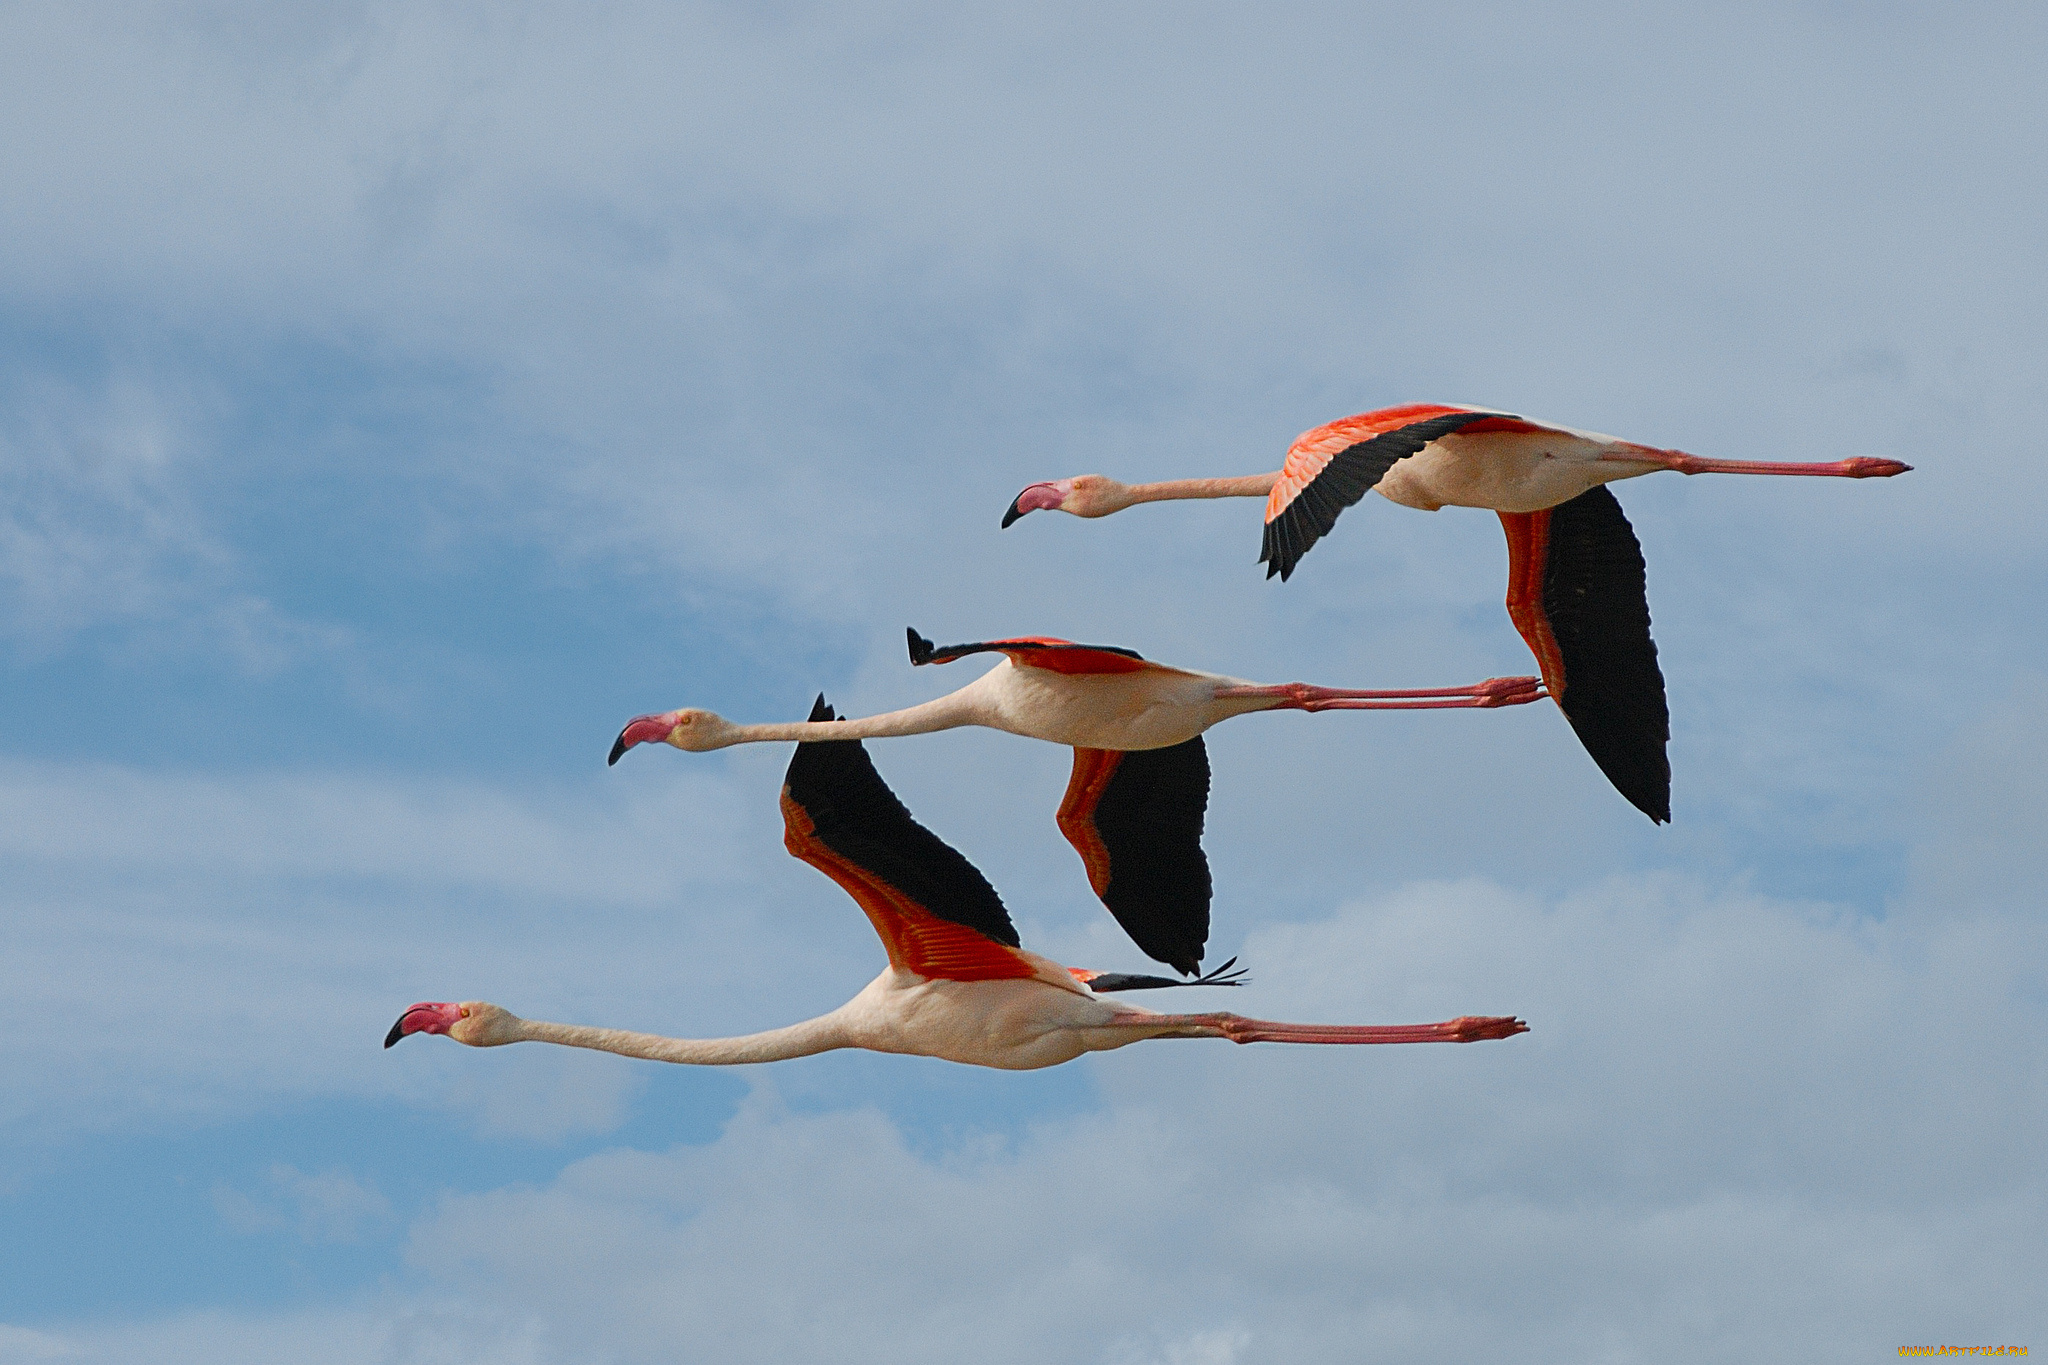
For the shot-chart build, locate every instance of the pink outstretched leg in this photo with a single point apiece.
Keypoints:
(1471, 1028)
(1307, 697)
(1861, 467)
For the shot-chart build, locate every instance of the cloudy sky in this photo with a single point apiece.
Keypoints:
(395, 398)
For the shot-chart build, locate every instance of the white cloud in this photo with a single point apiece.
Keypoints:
(101, 522)
(1981, 808)
(328, 1206)
(334, 1338)
(1740, 1128)
(18, 1346)
(189, 945)
(1220, 1347)
(603, 841)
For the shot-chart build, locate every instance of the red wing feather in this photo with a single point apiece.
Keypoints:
(1092, 770)
(913, 936)
(1528, 556)
(1036, 651)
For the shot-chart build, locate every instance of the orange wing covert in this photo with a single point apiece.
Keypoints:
(1333, 466)
(1313, 450)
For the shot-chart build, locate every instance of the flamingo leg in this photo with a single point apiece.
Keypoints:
(1861, 467)
(1469, 1028)
(1306, 697)
(1516, 698)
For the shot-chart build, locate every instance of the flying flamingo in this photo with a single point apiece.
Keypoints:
(1575, 571)
(958, 985)
(1140, 784)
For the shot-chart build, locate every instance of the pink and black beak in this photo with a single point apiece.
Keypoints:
(429, 1017)
(640, 730)
(1039, 497)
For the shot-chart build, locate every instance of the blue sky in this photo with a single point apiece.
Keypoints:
(394, 399)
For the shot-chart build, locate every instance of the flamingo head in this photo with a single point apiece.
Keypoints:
(688, 728)
(1084, 495)
(477, 1023)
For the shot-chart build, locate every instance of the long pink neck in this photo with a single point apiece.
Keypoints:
(1249, 486)
(822, 1034)
(943, 713)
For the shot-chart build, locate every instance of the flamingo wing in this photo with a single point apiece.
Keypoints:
(1136, 820)
(936, 915)
(1576, 593)
(1333, 466)
(1038, 651)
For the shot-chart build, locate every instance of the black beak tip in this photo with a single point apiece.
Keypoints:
(618, 747)
(1014, 512)
(397, 1032)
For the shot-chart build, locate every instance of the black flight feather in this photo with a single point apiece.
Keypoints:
(1149, 818)
(1595, 597)
(859, 818)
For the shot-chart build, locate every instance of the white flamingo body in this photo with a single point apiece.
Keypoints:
(1019, 1025)
(1510, 471)
(1151, 709)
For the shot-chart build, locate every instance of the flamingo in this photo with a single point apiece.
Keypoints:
(1140, 782)
(1575, 572)
(958, 984)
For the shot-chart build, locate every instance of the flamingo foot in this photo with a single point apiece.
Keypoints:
(1871, 467)
(1513, 692)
